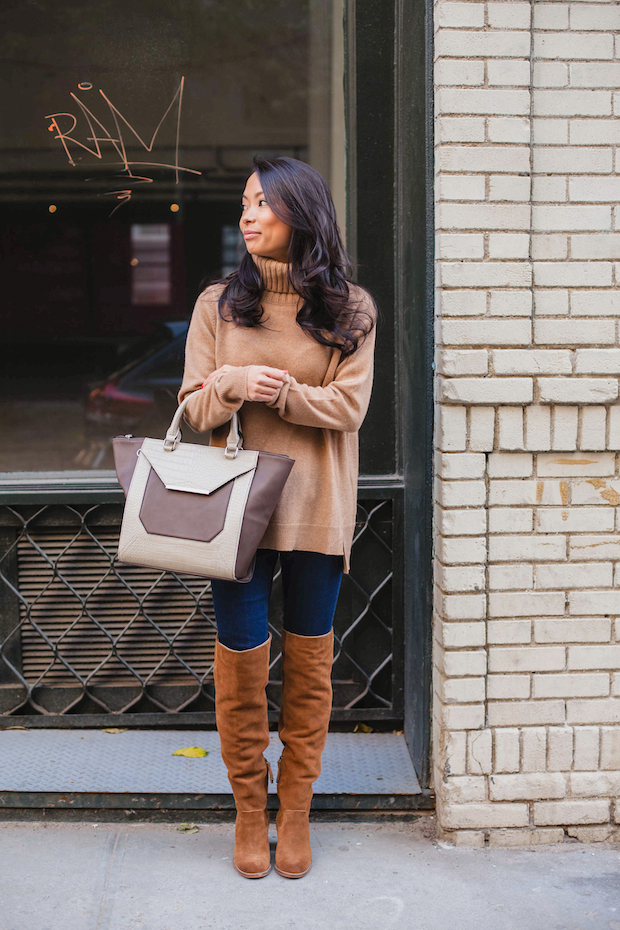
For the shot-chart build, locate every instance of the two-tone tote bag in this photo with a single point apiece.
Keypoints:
(197, 509)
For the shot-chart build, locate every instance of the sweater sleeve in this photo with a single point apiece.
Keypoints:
(217, 401)
(340, 405)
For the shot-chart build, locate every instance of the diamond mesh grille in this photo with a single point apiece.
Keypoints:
(81, 633)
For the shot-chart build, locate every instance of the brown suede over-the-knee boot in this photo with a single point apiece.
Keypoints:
(241, 715)
(304, 721)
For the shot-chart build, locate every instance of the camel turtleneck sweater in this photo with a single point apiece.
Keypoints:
(314, 419)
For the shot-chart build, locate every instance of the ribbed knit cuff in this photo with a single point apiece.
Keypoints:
(232, 386)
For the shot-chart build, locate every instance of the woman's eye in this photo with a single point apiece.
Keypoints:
(242, 207)
(262, 201)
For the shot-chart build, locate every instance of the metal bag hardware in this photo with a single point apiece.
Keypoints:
(197, 509)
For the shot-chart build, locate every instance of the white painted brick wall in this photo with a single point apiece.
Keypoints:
(527, 494)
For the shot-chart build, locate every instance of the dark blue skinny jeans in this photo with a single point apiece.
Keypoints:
(310, 585)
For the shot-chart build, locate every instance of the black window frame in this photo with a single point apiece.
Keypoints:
(390, 232)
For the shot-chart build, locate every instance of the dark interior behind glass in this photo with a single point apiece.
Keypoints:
(126, 135)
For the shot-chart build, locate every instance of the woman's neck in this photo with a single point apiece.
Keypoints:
(275, 275)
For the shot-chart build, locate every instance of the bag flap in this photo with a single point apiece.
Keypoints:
(193, 468)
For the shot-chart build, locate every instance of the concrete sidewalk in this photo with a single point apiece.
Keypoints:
(365, 876)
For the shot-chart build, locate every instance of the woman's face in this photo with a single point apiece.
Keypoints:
(264, 233)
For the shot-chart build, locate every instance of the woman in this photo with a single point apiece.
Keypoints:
(288, 338)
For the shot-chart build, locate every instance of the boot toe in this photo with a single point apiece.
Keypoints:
(294, 867)
(293, 852)
(252, 857)
(252, 866)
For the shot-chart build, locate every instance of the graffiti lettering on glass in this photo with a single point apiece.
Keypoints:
(117, 136)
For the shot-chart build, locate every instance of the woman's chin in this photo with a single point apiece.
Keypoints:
(253, 247)
(261, 253)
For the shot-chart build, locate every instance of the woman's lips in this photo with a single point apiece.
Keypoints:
(250, 234)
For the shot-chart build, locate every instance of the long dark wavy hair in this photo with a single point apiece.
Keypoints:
(319, 267)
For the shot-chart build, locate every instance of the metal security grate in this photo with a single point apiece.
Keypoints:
(81, 634)
(72, 595)
(364, 620)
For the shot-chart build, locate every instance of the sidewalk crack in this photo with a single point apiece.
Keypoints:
(107, 879)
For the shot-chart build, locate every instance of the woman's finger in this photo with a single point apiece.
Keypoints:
(269, 383)
(276, 373)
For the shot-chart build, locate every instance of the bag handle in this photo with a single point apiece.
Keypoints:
(234, 443)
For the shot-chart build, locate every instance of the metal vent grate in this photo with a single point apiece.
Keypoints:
(81, 634)
(87, 610)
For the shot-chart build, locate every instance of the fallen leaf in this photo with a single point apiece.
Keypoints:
(188, 828)
(191, 752)
(362, 728)
(115, 730)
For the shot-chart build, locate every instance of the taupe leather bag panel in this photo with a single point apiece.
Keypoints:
(269, 478)
(125, 459)
(175, 513)
(196, 509)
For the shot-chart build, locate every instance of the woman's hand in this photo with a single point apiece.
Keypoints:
(264, 383)
(214, 375)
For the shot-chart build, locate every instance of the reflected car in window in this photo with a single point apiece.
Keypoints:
(141, 396)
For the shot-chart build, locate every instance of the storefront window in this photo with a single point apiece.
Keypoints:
(128, 131)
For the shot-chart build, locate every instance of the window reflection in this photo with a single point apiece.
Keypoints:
(232, 246)
(150, 263)
(120, 195)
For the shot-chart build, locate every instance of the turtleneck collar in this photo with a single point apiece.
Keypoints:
(274, 275)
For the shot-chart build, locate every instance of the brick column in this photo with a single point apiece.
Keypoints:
(527, 559)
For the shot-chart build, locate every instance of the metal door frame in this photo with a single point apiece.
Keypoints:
(389, 57)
